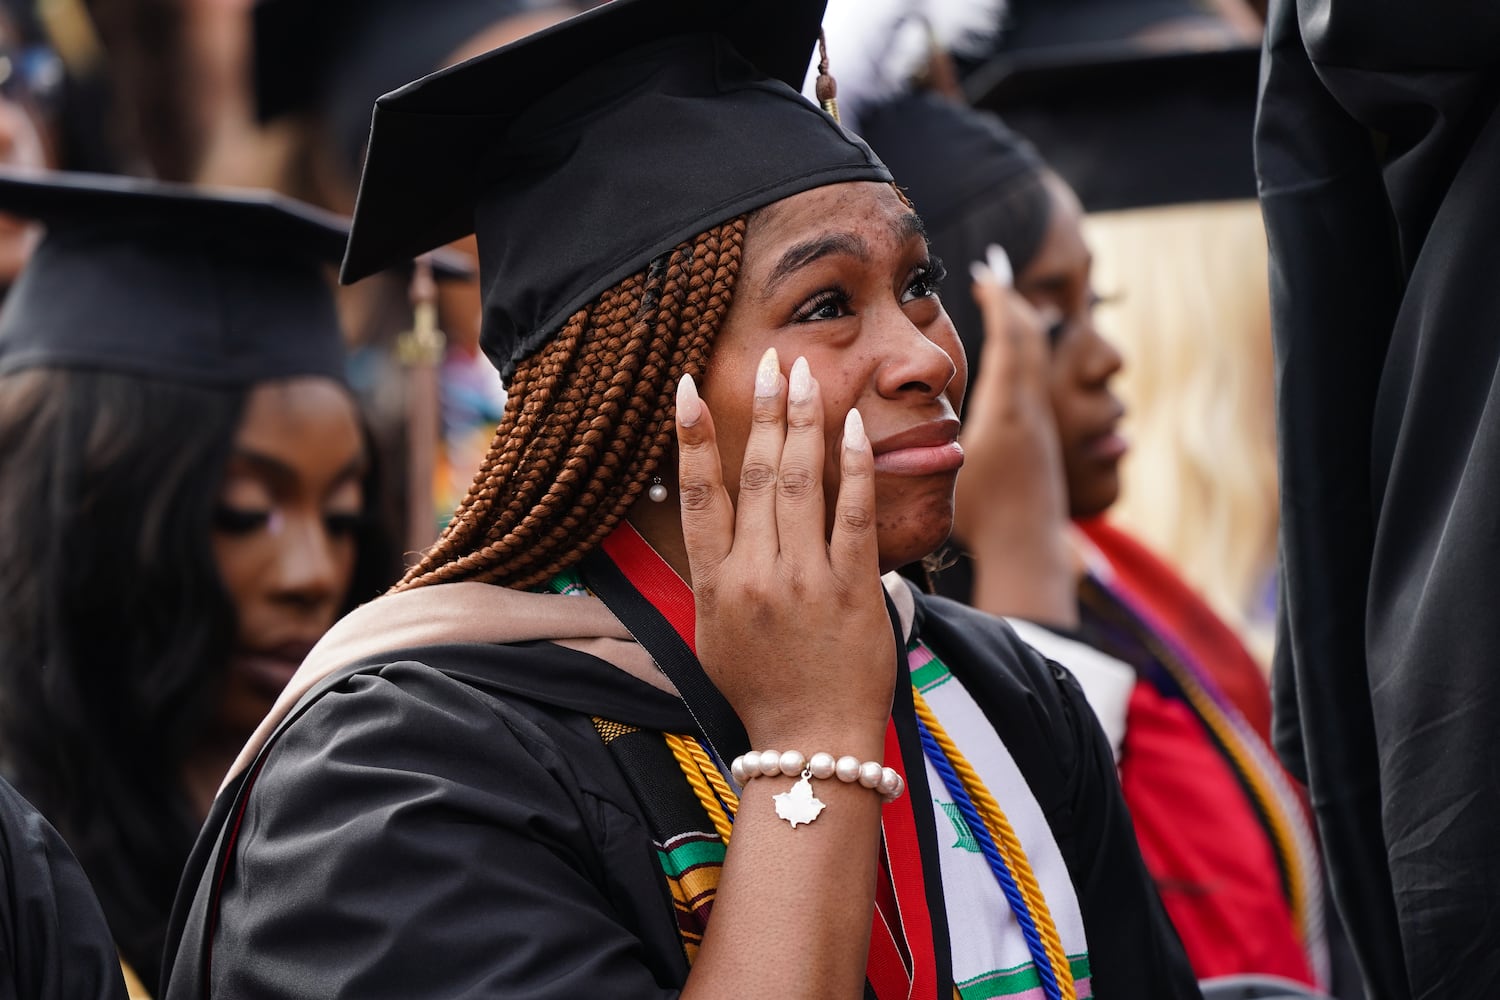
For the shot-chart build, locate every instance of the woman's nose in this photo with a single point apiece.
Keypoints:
(1102, 360)
(915, 362)
(306, 565)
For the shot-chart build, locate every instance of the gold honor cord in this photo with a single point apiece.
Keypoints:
(713, 792)
(1004, 836)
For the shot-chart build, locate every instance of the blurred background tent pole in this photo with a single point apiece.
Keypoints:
(420, 351)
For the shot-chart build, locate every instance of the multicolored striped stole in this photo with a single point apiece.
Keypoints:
(1019, 932)
(692, 822)
(904, 944)
(701, 810)
(1111, 623)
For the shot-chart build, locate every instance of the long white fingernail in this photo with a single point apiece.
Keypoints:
(980, 272)
(799, 386)
(854, 431)
(689, 405)
(768, 374)
(999, 262)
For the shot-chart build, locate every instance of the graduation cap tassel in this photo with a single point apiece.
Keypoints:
(827, 86)
(420, 350)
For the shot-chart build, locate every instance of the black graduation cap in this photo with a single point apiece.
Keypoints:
(583, 151)
(1129, 128)
(337, 56)
(214, 287)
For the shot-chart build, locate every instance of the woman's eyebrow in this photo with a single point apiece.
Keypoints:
(283, 474)
(802, 254)
(908, 226)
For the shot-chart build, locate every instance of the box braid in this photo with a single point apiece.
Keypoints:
(587, 421)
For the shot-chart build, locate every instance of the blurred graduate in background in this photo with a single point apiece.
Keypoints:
(318, 68)
(1146, 109)
(184, 489)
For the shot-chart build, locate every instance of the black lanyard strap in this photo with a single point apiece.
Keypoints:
(720, 726)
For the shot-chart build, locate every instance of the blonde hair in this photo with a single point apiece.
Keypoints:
(1193, 320)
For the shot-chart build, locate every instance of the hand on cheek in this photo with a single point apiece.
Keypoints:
(791, 624)
(1011, 511)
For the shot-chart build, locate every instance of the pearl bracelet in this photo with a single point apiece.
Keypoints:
(798, 805)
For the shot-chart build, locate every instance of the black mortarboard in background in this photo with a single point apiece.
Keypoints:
(1077, 25)
(338, 56)
(581, 152)
(1088, 30)
(167, 280)
(973, 181)
(1128, 128)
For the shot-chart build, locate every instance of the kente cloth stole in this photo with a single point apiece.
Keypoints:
(989, 953)
(688, 849)
(908, 947)
(690, 822)
(1112, 623)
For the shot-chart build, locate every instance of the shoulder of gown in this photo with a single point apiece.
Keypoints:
(541, 884)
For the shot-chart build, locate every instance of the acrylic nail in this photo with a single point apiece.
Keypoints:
(799, 386)
(980, 272)
(854, 431)
(999, 262)
(689, 405)
(768, 374)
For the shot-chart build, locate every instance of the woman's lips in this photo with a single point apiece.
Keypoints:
(923, 461)
(270, 670)
(926, 450)
(1109, 447)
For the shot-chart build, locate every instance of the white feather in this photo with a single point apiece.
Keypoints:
(875, 47)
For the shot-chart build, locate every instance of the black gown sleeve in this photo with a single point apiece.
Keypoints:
(1334, 286)
(54, 942)
(1378, 150)
(409, 837)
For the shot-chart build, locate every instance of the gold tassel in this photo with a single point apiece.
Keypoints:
(827, 87)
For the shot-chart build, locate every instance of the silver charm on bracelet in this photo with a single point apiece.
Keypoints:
(798, 805)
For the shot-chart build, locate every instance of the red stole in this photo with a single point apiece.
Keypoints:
(1199, 835)
(1204, 845)
(1186, 620)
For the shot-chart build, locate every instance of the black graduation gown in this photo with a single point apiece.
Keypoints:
(448, 823)
(1378, 151)
(54, 943)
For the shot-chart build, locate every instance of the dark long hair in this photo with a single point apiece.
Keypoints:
(114, 624)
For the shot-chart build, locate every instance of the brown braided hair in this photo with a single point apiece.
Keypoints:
(587, 421)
